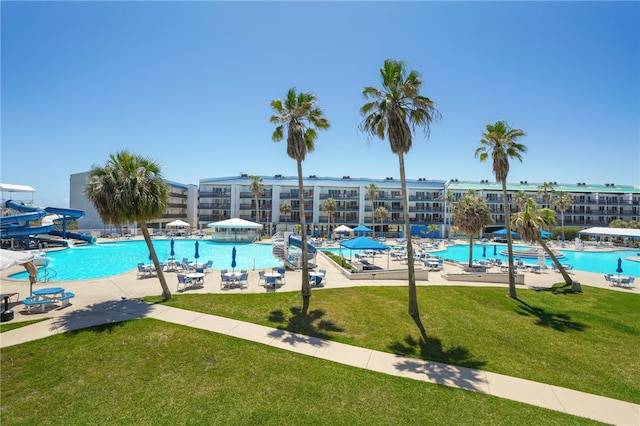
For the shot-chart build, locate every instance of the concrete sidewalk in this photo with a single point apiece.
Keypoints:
(581, 404)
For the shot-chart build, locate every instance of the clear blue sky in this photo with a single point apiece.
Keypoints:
(190, 85)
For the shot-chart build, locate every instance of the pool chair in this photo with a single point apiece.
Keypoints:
(627, 282)
(225, 281)
(282, 279)
(208, 267)
(144, 271)
(324, 274)
(183, 281)
(244, 279)
(262, 280)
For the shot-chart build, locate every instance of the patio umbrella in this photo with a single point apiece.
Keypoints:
(619, 270)
(484, 251)
(173, 253)
(233, 259)
(495, 250)
(197, 254)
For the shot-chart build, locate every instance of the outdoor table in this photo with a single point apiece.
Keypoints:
(196, 277)
(49, 293)
(233, 276)
(272, 278)
(171, 265)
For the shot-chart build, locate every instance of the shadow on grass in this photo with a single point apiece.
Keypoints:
(559, 322)
(310, 324)
(103, 316)
(560, 288)
(431, 349)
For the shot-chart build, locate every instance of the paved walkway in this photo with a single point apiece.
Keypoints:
(113, 300)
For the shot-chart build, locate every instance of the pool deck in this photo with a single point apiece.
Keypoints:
(113, 299)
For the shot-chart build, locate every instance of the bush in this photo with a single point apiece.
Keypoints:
(338, 259)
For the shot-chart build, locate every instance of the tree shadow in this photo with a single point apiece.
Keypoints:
(431, 349)
(563, 288)
(101, 317)
(311, 323)
(451, 367)
(559, 322)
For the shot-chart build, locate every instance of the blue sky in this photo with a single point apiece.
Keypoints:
(190, 85)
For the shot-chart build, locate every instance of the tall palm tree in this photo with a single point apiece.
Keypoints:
(257, 190)
(393, 112)
(529, 222)
(381, 214)
(298, 116)
(449, 198)
(372, 192)
(562, 201)
(471, 214)
(130, 188)
(500, 143)
(330, 206)
(285, 210)
(546, 191)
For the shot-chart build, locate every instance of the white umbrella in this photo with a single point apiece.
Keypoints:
(177, 224)
(10, 258)
(343, 229)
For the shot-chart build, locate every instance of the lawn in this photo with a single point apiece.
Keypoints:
(587, 342)
(148, 372)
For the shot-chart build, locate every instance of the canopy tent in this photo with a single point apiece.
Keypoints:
(362, 228)
(503, 231)
(235, 230)
(612, 232)
(178, 224)
(343, 229)
(9, 258)
(363, 243)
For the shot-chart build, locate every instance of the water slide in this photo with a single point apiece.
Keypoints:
(15, 226)
(297, 242)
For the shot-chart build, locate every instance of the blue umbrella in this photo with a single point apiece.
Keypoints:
(173, 253)
(233, 259)
(619, 270)
(484, 251)
(197, 255)
(495, 250)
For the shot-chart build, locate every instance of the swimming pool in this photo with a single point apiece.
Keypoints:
(604, 262)
(102, 260)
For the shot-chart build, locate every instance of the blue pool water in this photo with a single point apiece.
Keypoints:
(113, 258)
(599, 262)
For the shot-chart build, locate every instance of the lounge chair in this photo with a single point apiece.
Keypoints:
(627, 282)
(144, 271)
(324, 274)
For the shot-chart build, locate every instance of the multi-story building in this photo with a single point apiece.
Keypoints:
(182, 205)
(593, 205)
(227, 197)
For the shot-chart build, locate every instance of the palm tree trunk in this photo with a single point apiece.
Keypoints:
(507, 216)
(575, 286)
(413, 297)
(306, 288)
(470, 251)
(166, 294)
(562, 217)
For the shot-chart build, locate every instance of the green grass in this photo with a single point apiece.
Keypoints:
(587, 342)
(148, 372)
(13, 325)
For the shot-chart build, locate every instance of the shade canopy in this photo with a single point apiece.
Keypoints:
(343, 228)
(614, 232)
(235, 223)
(363, 243)
(362, 228)
(178, 224)
(503, 231)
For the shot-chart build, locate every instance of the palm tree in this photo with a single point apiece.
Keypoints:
(562, 201)
(449, 198)
(299, 117)
(529, 222)
(381, 214)
(520, 198)
(432, 228)
(372, 191)
(285, 209)
(546, 191)
(329, 206)
(257, 190)
(471, 214)
(393, 112)
(500, 143)
(130, 188)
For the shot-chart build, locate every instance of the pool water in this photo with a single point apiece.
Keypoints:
(102, 260)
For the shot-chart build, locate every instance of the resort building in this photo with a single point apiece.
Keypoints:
(183, 202)
(228, 197)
